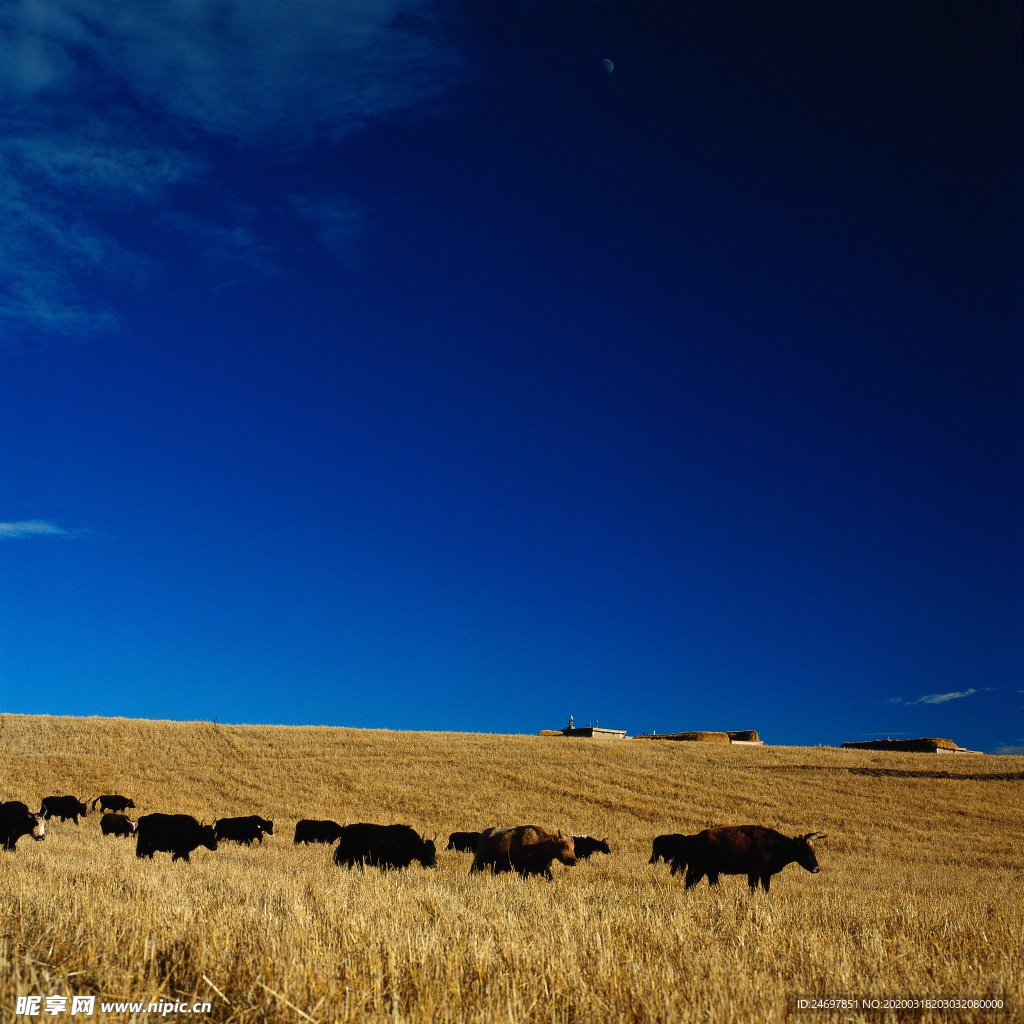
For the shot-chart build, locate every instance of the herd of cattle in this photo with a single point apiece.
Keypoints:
(751, 850)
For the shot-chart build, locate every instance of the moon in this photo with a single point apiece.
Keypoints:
(608, 65)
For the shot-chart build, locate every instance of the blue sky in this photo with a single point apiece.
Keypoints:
(395, 364)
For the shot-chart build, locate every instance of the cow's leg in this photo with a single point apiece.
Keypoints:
(693, 876)
(712, 878)
(752, 880)
(766, 881)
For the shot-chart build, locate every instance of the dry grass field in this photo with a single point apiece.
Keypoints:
(920, 894)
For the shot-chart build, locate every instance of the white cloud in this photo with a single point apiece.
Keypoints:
(1008, 748)
(231, 244)
(35, 528)
(107, 107)
(942, 698)
(337, 221)
(243, 67)
(53, 252)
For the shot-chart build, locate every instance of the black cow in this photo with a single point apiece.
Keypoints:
(63, 807)
(16, 820)
(585, 846)
(463, 842)
(176, 834)
(311, 831)
(118, 825)
(383, 846)
(243, 830)
(750, 850)
(669, 848)
(113, 802)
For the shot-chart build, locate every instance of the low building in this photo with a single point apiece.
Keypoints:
(925, 745)
(741, 737)
(586, 732)
(592, 732)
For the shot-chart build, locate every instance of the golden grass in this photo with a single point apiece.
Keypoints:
(920, 891)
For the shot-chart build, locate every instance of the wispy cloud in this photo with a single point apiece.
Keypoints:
(246, 68)
(36, 528)
(227, 243)
(112, 109)
(337, 221)
(942, 698)
(1008, 748)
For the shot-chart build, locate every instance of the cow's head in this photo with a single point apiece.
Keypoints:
(267, 826)
(428, 852)
(207, 837)
(805, 852)
(564, 850)
(38, 827)
(131, 803)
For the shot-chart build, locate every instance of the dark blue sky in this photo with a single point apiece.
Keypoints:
(394, 364)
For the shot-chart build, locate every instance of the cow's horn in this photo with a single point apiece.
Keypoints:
(812, 836)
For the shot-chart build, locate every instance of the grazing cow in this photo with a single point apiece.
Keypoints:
(16, 820)
(750, 850)
(383, 846)
(176, 834)
(117, 825)
(585, 846)
(310, 830)
(527, 849)
(243, 830)
(463, 842)
(63, 807)
(668, 847)
(113, 802)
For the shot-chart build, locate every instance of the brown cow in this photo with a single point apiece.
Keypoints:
(527, 849)
(750, 850)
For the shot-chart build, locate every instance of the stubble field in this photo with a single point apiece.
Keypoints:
(919, 895)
